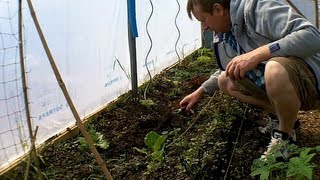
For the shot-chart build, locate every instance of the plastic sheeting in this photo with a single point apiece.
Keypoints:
(307, 8)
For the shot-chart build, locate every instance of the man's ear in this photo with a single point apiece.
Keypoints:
(217, 9)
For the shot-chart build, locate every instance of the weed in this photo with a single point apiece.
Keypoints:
(97, 139)
(148, 103)
(298, 167)
(204, 59)
(205, 52)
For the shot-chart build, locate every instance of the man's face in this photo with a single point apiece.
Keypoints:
(218, 21)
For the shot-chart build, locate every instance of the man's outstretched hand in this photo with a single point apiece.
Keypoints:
(190, 100)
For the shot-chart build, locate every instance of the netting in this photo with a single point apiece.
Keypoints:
(14, 138)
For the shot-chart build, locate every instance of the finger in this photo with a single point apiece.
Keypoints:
(236, 72)
(242, 74)
(228, 68)
(190, 105)
(231, 72)
(183, 102)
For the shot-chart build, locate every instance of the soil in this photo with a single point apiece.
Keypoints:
(221, 143)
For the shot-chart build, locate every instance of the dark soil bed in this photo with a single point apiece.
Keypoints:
(203, 152)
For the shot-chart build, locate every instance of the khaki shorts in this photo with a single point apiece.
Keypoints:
(301, 78)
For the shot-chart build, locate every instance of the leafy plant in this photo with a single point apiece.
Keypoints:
(148, 103)
(299, 167)
(156, 154)
(97, 138)
(204, 59)
(205, 52)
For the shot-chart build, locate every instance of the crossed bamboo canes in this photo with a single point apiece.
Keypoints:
(67, 96)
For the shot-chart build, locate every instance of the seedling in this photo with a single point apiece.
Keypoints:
(97, 139)
(205, 52)
(204, 59)
(148, 103)
(155, 152)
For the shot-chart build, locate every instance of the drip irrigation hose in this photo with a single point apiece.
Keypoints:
(146, 59)
(179, 33)
(235, 145)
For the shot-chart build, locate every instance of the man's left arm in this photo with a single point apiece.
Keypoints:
(290, 33)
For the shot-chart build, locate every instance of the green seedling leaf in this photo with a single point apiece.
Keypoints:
(103, 144)
(147, 103)
(204, 59)
(158, 156)
(299, 169)
(154, 141)
(97, 138)
(264, 175)
(83, 145)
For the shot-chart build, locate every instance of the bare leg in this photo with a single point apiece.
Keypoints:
(282, 95)
(227, 86)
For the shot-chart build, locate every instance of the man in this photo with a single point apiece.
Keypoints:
(270, 35)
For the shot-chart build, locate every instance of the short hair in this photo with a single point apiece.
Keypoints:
(206, 5)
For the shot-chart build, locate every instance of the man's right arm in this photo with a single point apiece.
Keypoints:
(210, 86)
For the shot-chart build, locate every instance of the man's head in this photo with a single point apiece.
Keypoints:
(213, 14)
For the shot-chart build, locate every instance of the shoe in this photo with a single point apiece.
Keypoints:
(279, 140)
(273, 123)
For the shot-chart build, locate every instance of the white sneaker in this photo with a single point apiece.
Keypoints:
(279, 140)
(273, 123)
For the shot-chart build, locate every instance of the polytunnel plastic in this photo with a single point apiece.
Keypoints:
(307, 7)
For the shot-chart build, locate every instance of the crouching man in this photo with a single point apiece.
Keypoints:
(277, 66)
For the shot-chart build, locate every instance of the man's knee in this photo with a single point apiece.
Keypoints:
(273, 71)
(277, 79)
(224, 83)
(275, 75)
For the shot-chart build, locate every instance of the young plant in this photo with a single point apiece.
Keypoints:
(204, 59)
(155, 152)
(97, 139)
(299, 167)
(205, 52)
(148, 103)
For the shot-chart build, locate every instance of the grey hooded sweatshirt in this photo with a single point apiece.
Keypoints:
(259, 22)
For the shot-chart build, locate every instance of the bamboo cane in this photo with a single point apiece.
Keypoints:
(67, 96)
(25, 92)
(32, 149)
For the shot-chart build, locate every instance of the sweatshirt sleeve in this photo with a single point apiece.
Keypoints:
(210, 86)
(290, 33)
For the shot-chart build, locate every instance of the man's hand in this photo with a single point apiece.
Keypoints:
(192, 99)
(238, 66)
